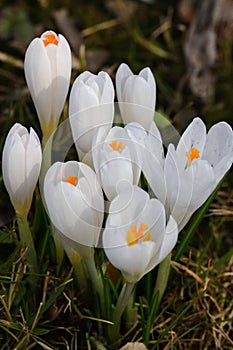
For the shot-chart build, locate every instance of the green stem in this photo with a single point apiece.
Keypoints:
(46, 164)
(26, 240)
(96, 281)
(47, 157)
(80, 272)
(122, 302)
(58, 246)
(131, 313)
(162, 277)
(93, 274)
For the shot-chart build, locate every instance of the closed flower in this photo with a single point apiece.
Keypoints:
(74, 201)
(136, 95)
(47, 69)
(21, 162)
(90, 106)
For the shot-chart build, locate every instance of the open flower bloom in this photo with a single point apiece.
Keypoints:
(90, 106)
(116, 158)
(74, 201)
(194, 168)
(197, 165)
(47, 69)
(136, 95)
(21, 162)
(136, 237)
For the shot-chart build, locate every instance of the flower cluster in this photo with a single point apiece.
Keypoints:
(140, 230)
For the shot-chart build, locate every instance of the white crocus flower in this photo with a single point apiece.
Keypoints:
(193, 169)
(21, 162)
(136, 237)
(136, 95)
(74, 201)
(91, 105)
(116, 158)
(47, 69)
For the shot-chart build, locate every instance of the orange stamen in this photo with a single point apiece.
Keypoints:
(133, 236)
(72, 180)
(116, 146)
(193, 154)
(50, 38)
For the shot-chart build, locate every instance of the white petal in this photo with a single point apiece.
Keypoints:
(14, 169)
(169, 240)
(107, 93)
(97, 145)
(116, 174)
(154, 143)
(139, 102)
(38, 76)
(173, 178)
(33, 161)
(62, 79)
(194, 136)
(122, 74)
(136, 134)
(153, 163)
(219, 149)
(195, 187)
(126, 207)
(153, 215)
(147, 74)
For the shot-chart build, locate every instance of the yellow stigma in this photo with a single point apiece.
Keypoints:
(193, 154)
(117, 146)
(50, 38)
(133, 236)
(72, 180)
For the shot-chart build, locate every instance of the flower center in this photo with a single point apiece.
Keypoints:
(133, 236)
(117, 145)
(72, 180)
(193, 154)
(50, 38)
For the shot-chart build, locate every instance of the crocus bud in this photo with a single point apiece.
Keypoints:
(136, 95)
(47, 69)
(21, 162)
(90, 106)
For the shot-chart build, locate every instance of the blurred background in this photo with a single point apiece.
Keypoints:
(186, 43)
